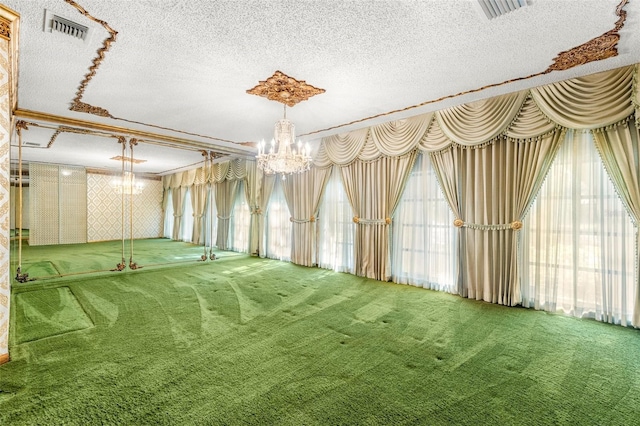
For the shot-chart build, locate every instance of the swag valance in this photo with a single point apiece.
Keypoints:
(228, 170)
(589, 102)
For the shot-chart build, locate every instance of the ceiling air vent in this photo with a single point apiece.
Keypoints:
(31, 144)
(57, 24)
(495, 8)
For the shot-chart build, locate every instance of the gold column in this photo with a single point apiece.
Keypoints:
(9, 31)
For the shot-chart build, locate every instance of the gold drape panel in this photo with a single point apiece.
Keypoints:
(198, 203)
(479, 122)
(177, 199)
(225, 199)
(303, 192)
(258, 190)
(374, 189)
(489, 189)
(619, 147)
(596, 100)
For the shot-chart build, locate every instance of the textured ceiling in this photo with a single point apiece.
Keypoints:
(181, 68)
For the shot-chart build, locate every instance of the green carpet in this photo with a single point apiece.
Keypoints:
(48, 312)
(252, 341)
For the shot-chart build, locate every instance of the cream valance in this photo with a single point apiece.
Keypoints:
(588, 102)
(594, 101)
(479, 122)
(226, 170)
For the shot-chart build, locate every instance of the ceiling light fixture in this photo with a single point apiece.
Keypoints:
(283, 156)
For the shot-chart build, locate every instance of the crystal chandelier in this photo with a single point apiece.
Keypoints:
(284, 156)
(126, 184)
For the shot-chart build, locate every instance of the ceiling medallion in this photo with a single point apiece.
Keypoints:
(132, 160)
(284, 89)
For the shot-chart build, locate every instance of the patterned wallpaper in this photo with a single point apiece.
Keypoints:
(104, 210)
(5, 129)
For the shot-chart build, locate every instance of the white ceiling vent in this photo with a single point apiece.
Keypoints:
(495, 8)
(57, 24)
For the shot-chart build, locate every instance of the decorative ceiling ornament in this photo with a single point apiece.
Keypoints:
(77, 104)
(284, 89)
(596, 49)
(284, 156)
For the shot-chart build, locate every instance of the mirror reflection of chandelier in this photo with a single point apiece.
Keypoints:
(127, 184)
(284, 156)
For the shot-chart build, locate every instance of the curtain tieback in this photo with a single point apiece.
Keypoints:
(311, 219)
(516, 225)
(361, 221)
(256, 210)
(197, 216)
(224, 217)
(177, 215)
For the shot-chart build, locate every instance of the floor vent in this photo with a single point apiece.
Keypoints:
(57, 24)
(495, 8)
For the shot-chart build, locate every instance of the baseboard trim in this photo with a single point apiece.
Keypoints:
(4, 358)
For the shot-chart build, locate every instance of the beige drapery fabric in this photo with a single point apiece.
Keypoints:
(258, 190)
(302, 193)
(198, 204)
(177, 199)
(374, 189)
(489, 190)
(225, 199)
(595, 100)
(635, 96)
(619, 147)
(481, 121)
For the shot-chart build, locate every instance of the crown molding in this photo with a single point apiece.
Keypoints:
(141, 134)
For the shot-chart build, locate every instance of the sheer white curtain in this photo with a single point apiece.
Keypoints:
(240, 220)
(210, 217)
(168, 216)
(186, 225)
(578, 240)
(424, 241)
(278, 226)
(337, 229)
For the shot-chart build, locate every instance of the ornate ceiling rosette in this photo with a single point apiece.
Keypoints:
(284, 89)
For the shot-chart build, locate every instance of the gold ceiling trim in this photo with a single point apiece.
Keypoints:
(149, 137)
(129, 159)
(284, 89)
(596, 49)
(77, 104)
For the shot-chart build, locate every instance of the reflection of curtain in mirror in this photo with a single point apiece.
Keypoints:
(278, 225)
(186, 225)
(209, 218)
(578, 240)
(240, 220)
(168, 215)
(424, 244)
(336, 227)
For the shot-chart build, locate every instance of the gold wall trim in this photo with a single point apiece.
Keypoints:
(118, 130)
(5, 28)
(601, 47)
(77, 104)
(284, 89)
